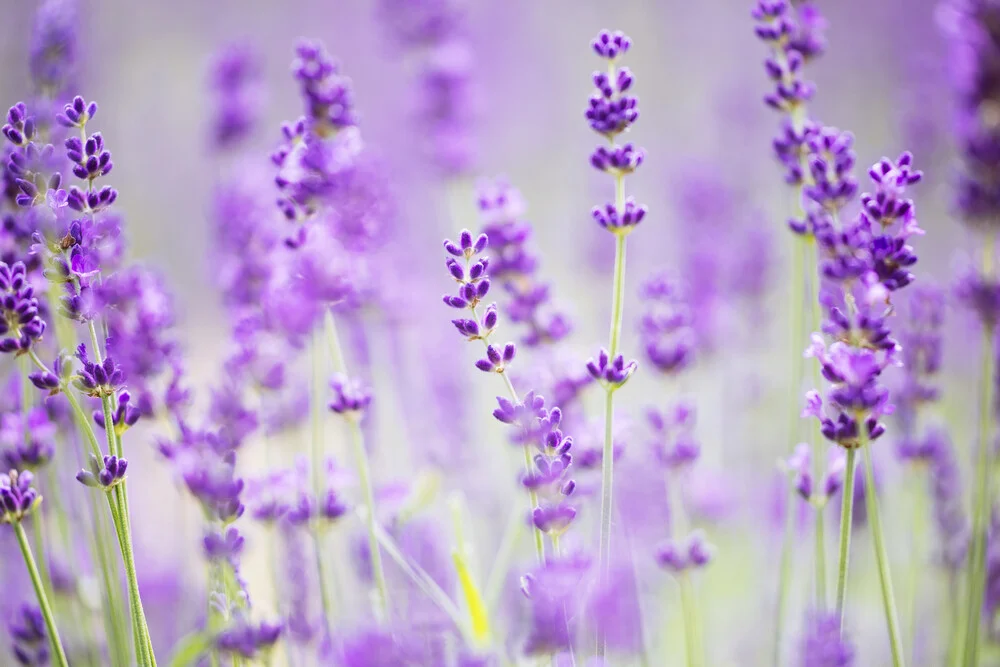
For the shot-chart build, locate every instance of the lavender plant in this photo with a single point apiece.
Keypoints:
(417, 552)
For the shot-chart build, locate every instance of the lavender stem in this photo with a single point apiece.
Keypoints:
(363, 466)
(983, 499)
(846, 522)
(818, 446)
(43, 600)
(689, 608)
(882, 556)
(607, 461)
(797, 327)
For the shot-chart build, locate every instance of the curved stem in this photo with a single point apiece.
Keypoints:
(58, 653)
(532, 494)
(882, 556)
(846, 521)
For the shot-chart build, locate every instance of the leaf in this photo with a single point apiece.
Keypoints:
(190, 648)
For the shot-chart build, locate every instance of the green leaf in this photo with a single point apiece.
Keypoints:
(190, 648)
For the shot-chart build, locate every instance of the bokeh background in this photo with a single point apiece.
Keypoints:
(717, 211)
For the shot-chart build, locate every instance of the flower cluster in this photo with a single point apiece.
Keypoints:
(794, 34)
(514, 265)
(975, 40)
(104, 474)
(611, 111)
(30, 640)
(536, 427)
(235, 79)
(21, 325)
(436, 38)
(692, 553)
(666, 326)
(799, 470)
(18, 497)
(824, 645)
(27, 438)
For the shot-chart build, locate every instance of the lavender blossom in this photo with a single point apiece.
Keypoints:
(30, 642)
(823, 644)
(235, 80)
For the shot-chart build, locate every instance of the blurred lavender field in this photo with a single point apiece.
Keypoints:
(319, 470)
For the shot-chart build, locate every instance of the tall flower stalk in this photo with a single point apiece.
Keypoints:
(865, 263)
(975, 36)
(611, 111)
(18, 500)
(795, 37)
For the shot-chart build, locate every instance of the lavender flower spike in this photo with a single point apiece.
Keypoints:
(18, 499)
(611, 111)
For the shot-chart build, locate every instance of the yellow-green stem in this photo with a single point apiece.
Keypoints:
(59, 655)
(797, 285)
(882, 558)
(846, 521)
(607, 460)
(984, 482)
(818, 443)
(689, 609)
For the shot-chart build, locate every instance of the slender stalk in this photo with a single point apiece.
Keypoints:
(363, 466)
(532, 494)
(122, 519)
(846, 521)
(818, 446)
(58, 653)
(882, 556)
(797, 327)
(112, 592)
(318, 456)
(364, 479)
(607, 460)
(917, 561)
(984, 482)
(689, 608)
(38, 534)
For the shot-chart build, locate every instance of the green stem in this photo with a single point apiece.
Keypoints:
(882, 556)
(58, 653)
(607, 460)
(532, 494)
(818, 446)
(917, 560)
(689, 610)
(983, 489)
(38, 534)
(846, 521)
(364, 479)
(797, 327)
(363, 466)
(318, 456)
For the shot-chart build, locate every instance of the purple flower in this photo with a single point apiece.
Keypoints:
(29, 637)
(673, 442)
(823, 645)
(223, 545)
(666, 326)
(678, 556)
(17, 496)
(611, 111)
(104, 474)
(328, 94)
(247, 639)
(28, 439)
(554, 591)
(350, 397)
(611, 373)
(514, 265)
(20, 322)
(235, 80)
(53, 50)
